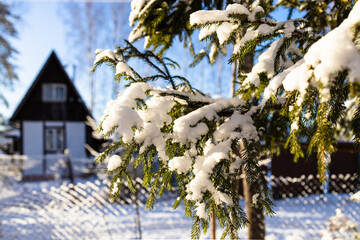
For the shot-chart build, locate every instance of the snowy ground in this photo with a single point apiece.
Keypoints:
(53, 210)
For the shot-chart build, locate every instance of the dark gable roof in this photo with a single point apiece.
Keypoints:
(76, 109)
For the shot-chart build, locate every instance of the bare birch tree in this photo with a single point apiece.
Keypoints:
(85, 23)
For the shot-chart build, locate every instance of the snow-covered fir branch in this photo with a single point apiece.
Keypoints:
(190, 134)
(144, 125)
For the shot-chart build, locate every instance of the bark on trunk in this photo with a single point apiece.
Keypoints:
(213, 225)
(256, 226)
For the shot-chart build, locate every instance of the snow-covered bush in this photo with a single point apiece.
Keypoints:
(11, 169)
(340, 227)
(355, 197)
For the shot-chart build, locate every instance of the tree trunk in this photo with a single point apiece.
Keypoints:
(234, 78)
(137, 217)
(213, 225)
(256, 226)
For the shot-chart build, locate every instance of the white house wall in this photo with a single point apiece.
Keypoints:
(75, 142)
(75, 137)
(33, 146)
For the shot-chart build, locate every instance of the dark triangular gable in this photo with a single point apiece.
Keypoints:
(33, 108)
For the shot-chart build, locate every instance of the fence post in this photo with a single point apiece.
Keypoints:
(69, 165)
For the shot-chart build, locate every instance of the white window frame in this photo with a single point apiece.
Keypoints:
(56, 138)
(54, 97)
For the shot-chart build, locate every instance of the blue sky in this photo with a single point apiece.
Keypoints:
(40, 31)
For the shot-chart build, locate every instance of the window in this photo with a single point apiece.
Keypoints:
(54, 139)
(54, 92)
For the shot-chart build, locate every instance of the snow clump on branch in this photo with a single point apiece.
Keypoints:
(319, 65)
(103, 54)
(114, 162)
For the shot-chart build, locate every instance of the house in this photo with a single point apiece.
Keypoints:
(51, 118)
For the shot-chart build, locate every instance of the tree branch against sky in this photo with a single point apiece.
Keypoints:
(7, 52)
(296, 92)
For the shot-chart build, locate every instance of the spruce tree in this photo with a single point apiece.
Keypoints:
(298, 91)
